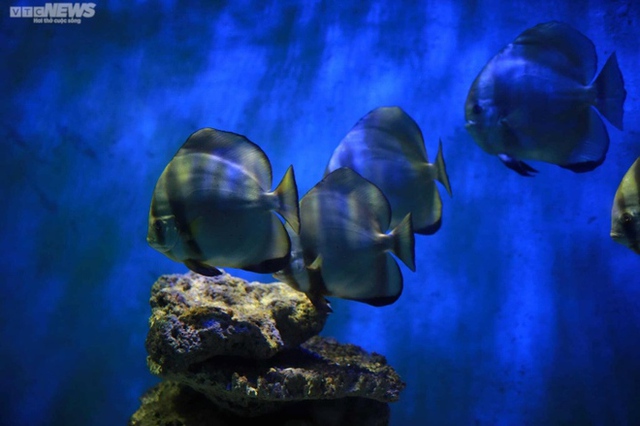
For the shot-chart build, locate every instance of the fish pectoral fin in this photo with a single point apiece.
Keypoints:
(316, 265)
(520, 167)
(201, 268)
(387, 287)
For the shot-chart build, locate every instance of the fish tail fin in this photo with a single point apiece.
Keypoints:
(404, 242)
(610, 91)
(441, 170)
(287, 193)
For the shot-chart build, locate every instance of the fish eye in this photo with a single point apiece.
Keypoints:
(477, 109)
(157, 225)
(626, 218)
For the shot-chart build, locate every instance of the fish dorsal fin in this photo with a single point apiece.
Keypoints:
(357, 192)
(234, 148)
(561, 47)
(390, 128)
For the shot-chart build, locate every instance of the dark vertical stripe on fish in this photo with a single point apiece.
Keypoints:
(620, 201)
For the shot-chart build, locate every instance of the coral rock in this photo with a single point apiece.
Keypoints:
(320, 369)
(229, 349)
(171, 404)
(195, 318)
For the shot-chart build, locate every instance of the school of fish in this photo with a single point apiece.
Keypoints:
(538, 99)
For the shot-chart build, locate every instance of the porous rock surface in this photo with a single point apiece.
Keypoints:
(172, 404)
(234, 352)
(195, 318)
(319, 369)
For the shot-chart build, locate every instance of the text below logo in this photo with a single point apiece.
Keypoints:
(54, 13)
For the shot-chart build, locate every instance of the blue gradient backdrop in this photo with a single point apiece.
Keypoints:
(522, 310)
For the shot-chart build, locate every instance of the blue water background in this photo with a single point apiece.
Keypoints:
(522, 310)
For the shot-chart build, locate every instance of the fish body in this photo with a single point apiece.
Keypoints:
(344, 248)
(537, 100)
(625, 213)
(212, 206)
(386, 147)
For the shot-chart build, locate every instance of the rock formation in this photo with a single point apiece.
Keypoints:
(230, 350)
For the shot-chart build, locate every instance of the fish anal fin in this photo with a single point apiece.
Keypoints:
(202, 268)
(584, 167)
(379, 301)
(519, 167)
(277, 255)
(592, 149)
(387, 291)
(431, 228)
(269, 266)
(428, 218)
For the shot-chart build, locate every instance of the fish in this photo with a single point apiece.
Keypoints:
(306, 278)
(386, 147)
(345, 247)
(538, 100)
(212, 206)
(625, 212)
